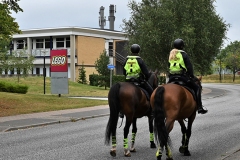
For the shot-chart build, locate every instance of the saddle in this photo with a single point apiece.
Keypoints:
(138, 83)
(179, 81)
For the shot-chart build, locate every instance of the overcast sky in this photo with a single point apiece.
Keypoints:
(85, 13)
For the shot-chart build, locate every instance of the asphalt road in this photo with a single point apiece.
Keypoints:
(214, 135)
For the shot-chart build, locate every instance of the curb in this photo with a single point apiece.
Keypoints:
(54, 122)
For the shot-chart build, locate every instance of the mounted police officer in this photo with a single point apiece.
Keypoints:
(181, 67)
(136, 70)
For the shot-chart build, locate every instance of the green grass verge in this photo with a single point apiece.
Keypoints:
(36, 101)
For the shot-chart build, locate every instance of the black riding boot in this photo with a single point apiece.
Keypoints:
(148, 88)
(199, 104)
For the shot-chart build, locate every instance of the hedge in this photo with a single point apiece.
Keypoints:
(98, 80)
(13, 88)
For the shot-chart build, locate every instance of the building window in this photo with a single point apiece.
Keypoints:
(110, 48)
(12, 71)
(39, 43)
(60, 42)
(37, 71)
(68, 42)
(21, 44)
(47, 43)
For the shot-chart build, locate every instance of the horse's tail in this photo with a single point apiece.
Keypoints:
(114, 105)
(160, 129)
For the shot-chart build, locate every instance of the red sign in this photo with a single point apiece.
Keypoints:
(59, 60)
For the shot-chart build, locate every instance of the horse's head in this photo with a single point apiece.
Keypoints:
(198, 81)
(153, 80)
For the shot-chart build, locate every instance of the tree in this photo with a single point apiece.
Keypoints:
(155, 24)
(8, 26)
(101, 66)
(232, 60)
(82, 74)
(20, 61)
(219, 63)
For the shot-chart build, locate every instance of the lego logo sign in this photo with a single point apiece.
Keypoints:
(59, 61)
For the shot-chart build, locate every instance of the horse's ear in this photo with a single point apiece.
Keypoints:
(200, 78)
(156, 71)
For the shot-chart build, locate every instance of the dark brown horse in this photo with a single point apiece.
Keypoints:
(131, 100)
(172, 102)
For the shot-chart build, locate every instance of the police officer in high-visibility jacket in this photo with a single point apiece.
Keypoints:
(136, 70)
(180, 65)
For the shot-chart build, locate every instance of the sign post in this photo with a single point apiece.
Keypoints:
(111, 67)
(59, 72)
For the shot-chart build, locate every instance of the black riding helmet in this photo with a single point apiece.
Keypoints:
(135, 48)
(178, 44)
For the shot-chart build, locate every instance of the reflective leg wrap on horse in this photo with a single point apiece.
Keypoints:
(125, 145)
(159, 153)
(169, 152)
(152, 144)
(132, 149)
(114, 141)
(113, 151)
(185, 141)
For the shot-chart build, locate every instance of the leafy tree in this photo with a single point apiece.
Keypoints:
(219, 63)
(155, 24)
(82, 74)
(20, 61)
(8, 26)
(101, 66)
(232, 52)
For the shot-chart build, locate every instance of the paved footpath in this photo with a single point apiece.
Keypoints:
(24, 121)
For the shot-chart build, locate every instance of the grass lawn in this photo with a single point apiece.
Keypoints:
(225, 79)
(36, 101)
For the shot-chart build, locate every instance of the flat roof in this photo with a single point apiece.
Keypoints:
(71, 30)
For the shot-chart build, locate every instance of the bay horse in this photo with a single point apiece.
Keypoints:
(170, 103)
(133, 103)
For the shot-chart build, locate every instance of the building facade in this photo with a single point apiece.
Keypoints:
(84, 46)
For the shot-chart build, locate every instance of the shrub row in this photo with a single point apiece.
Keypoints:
(99, 80)
(13, 88)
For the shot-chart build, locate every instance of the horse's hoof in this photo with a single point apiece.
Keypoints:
(132, 150)
(181, 149)
(127, 153)
(113, 153)
(187, 153)
(159, 157)
(169, 158)
(153, 145)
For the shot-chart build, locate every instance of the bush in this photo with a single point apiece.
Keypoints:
(99, 80)
(13, 88)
